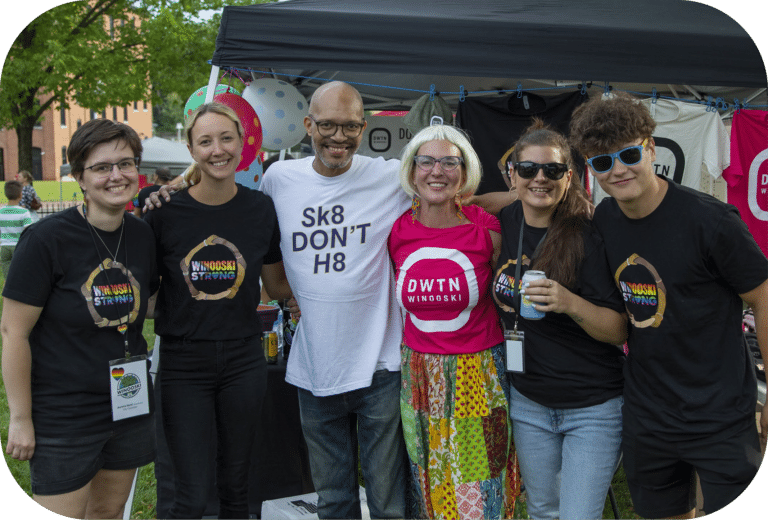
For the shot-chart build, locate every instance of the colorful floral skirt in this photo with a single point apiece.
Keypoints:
(458, 434)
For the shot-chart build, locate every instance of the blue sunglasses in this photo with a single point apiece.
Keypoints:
(629, 156)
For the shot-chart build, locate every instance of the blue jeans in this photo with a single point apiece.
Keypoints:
(333, 425)
(203, 380)
(567, 456)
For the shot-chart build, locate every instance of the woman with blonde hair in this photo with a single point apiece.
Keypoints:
(214, 241)
(453, 403)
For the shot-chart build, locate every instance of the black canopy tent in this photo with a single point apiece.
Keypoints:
(394, 50)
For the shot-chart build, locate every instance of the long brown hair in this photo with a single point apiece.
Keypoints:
(562, 251)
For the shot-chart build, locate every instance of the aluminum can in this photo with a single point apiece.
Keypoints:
(527, 310)
(269, 342)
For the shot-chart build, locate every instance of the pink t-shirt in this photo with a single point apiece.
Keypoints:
(443, 283)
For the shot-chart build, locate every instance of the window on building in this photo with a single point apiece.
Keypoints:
(93, 114)
(135, 106)
(79, 123)
(104, 114)
(37, 164)
(63, 117)
(145, 105)
(125, 113)
(2, 164)
(112, 27)
(114, 113)
(63, 155)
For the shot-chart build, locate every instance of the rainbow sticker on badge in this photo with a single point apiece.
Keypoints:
(122, 328)
(117, 373)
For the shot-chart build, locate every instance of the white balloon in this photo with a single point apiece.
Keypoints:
(281, 110)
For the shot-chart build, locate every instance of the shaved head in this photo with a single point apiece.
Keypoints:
(336, 92)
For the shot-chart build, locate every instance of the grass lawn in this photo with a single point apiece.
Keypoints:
(144, 499)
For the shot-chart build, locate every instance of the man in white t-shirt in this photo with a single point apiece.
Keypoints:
(336, 210)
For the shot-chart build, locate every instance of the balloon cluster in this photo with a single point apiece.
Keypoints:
(271, 111)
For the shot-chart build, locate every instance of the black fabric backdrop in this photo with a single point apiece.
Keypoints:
(647, 41)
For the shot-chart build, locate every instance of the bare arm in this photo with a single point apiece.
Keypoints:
(275, 281)
(16, 325)
(496, 239)
(493, 202)
(757, 299)
(602, 323)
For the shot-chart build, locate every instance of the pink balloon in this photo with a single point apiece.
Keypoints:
(252, 134)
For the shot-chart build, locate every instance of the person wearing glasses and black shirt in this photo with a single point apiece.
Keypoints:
(566, 392)
(74, 357)
(686, 263)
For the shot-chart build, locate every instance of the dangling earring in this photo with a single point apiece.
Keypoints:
(458, 207)
(414, 207)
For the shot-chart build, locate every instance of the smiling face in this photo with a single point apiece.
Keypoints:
(109, 191)
(437, 186)
(629, 184)
(337, 103)
(216, 146)
(541, 195)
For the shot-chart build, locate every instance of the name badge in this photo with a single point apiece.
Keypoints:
(515, 342)
(129, 387)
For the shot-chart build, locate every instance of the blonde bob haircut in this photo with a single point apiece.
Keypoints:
(193, 174)
(473, 170)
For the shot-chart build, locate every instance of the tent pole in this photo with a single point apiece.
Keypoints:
(212, 80)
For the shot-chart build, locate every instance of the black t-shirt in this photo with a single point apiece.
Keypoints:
(564, 366)
(494, 123)
(210, 263)
(681, 270)
(144, 193)
(57, 266)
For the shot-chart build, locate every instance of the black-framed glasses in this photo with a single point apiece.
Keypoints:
(629, 156)
(447, 163)
(127, 165)
(529, 169)
(329, 128)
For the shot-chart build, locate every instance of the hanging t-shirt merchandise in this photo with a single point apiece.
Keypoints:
(92, 302)
(747, 176)
(494, 123)
(690, 140)
(681, 286)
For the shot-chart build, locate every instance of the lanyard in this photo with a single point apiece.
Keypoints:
(516, 298)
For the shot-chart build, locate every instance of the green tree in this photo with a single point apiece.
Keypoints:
(104, 52)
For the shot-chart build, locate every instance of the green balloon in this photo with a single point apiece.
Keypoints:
(198, 98)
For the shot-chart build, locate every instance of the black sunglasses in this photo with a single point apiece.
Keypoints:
(529, 169)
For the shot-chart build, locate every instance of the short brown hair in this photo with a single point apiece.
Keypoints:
(94, 133)
(603, 125)
(12, 190)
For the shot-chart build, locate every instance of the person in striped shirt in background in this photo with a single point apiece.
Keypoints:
(13, 220)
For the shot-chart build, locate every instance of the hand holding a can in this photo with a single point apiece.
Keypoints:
(549, 296)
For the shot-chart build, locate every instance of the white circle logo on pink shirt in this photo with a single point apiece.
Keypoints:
(440, 253)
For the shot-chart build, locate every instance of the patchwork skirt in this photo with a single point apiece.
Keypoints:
(458, 434)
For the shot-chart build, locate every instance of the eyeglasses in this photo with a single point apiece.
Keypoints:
(447, 163)
(329, 128)
(127, 165)
(629, 156)
(529, 169)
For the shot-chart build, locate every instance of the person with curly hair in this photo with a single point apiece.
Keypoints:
(685, 263)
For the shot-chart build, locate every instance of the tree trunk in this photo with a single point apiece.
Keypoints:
(24, 137)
